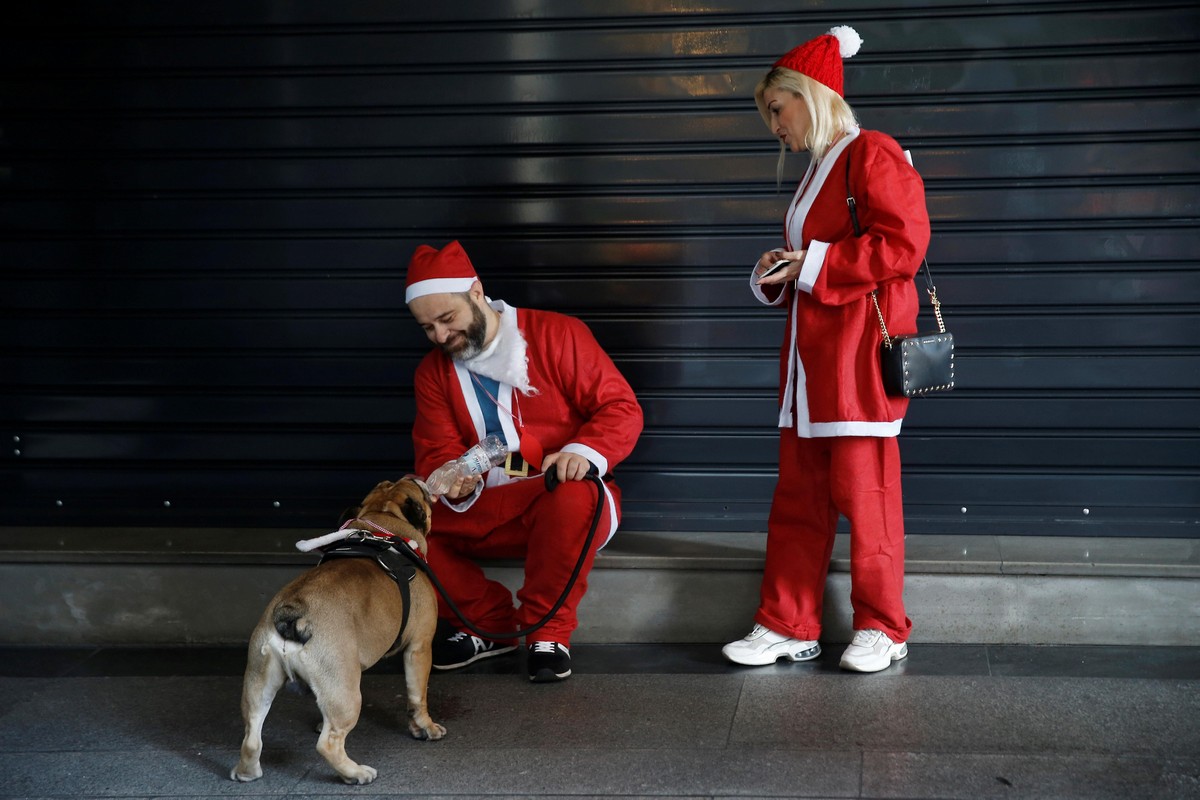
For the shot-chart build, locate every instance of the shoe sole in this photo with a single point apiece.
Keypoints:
(485, 654)
(899, 655)
(803, 655)
(548, 676)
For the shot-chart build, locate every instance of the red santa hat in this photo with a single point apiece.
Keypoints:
(821, 58)
(432, 271)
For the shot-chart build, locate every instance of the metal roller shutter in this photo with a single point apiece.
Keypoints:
(208, 209)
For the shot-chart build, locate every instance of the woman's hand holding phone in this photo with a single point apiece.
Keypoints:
(783, 267)
(778, 265)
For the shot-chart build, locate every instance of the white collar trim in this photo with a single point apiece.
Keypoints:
(506, 358)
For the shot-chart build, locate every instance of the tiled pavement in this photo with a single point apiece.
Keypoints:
(635, 721)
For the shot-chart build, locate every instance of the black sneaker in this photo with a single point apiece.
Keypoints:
(461, 648)
(549, 662)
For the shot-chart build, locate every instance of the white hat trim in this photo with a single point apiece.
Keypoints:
(438, 286)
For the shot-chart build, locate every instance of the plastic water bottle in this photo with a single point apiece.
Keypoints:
(489, 453)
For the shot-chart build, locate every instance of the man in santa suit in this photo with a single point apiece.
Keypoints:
(543, 384)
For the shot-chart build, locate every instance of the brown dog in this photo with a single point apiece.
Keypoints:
(334, 621)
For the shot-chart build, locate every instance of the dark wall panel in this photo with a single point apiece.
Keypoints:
(205, 212)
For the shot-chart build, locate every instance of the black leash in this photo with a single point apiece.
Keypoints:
(551, 484)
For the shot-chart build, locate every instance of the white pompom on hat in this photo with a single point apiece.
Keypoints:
(821, 58)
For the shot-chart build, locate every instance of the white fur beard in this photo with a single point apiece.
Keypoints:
(506, 361)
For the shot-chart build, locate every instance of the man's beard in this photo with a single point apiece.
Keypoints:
(473, 336)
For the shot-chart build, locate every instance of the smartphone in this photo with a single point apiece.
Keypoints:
(778, 265)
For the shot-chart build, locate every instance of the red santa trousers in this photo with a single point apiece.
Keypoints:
(520, 520)
(858, 476)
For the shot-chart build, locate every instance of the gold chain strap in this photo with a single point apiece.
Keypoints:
(937, 309)
(937, 313)
(887, 340)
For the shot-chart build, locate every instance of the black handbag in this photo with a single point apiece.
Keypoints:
(917, 364)
(920, 363)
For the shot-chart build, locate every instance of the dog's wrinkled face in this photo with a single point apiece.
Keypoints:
(407, 499)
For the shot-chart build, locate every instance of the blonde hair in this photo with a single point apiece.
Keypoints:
(828, 111)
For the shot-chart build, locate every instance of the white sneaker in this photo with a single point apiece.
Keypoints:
(872, 651)
(763, 646)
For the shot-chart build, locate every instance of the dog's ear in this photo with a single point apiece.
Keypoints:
(416, 514)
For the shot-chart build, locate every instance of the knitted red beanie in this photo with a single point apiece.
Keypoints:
(821, 58)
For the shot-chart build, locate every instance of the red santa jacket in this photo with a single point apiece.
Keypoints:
(582, 402)
(830, 378)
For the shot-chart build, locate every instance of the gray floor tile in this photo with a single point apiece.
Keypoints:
(93, 714)
(587, 711)
(1030, 777)
(619, 772)
(951, 714)
(125, 774)
(1091, 661)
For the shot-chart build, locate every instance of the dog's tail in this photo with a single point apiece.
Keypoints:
(291, 621)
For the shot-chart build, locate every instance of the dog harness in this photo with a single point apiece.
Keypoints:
(399, 563)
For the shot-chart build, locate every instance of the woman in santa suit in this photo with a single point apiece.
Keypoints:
(838, 451)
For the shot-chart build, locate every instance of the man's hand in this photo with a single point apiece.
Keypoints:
(462, 487)
(570, 466)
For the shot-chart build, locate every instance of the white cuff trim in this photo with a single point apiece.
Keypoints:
(821, 430)
(757, 290)
(591, 455)
(810, 270)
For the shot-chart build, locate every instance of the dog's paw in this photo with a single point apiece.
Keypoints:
(245, 775)
(430, 733)
(360, 775)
